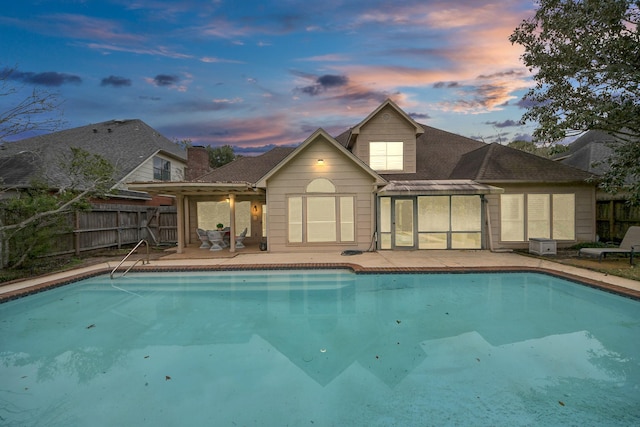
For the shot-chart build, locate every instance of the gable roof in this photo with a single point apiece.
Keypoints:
(354, 131)
(124, 143)
(320, 133)
(498, 163)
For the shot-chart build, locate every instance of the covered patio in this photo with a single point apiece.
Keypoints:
(246, 209)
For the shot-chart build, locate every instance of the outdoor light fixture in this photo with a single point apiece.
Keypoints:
(320, 162)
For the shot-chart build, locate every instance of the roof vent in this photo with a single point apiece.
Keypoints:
(109, 130)
(95, 130)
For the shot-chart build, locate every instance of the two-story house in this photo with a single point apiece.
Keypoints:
(137, 152)
(391, 183)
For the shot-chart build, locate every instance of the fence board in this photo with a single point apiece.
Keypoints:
(614, 217)
(114, 226)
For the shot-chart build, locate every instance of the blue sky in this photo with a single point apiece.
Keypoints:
(254, 74)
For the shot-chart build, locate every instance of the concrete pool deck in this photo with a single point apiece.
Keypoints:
(383, 261)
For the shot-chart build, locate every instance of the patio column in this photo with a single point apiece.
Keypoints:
(180, 222)
(232, 222)
(187, 221)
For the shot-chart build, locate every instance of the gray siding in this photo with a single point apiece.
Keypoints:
(348, 179)
(388, 126)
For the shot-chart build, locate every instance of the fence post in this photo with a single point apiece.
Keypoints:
(119, 227)
(76, 233)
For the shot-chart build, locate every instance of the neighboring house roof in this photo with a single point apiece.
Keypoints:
(247, 169)
(499, 163)
(590, 152)
(126, 144)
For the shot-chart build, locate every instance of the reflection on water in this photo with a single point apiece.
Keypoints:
(330, 346)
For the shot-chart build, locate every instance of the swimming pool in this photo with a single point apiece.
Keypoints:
(320, 348)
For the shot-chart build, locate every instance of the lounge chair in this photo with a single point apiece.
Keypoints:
(629, 246)
(202, 235)
(240, 239)
(215, 237)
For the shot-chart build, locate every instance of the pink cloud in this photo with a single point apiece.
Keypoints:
(84, 27)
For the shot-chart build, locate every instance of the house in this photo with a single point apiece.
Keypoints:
(389, 183)
(137, 151)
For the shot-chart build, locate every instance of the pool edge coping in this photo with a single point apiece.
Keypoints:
(356, 268)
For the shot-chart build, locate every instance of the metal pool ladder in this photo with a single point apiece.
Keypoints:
(135, 263)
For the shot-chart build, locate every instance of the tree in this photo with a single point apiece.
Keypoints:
(30, 218)
(585, 56)
(220, 156)
(183, 143)
(541, 150)
(38, 110)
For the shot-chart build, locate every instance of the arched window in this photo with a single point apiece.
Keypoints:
(320, 217)
(321, 185)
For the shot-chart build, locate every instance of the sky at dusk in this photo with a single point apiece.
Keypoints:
(254, 74)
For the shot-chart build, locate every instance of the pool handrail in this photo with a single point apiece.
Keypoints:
(135, 263)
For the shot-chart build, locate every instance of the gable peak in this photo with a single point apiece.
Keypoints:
(388, 103)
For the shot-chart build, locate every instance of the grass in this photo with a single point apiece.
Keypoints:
(614, 265)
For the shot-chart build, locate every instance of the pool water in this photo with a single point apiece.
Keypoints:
(320, 348)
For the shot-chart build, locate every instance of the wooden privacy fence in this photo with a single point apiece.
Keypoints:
(115, 226)
(613, 218)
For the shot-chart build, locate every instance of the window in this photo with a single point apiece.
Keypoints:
(384, 156)
(564, 214)
(550, 216)
(210, 214)
(321, 218)
(449, 222)
(161, 169)
(512, 217)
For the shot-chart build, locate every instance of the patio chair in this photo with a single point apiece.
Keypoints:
(226, 232)
(215, 238)
(202, 235)
(240, 239)
(630, 244)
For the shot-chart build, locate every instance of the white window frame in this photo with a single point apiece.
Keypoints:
(300, 228)
(556, 216)
(386, 155)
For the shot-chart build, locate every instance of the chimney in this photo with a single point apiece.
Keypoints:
(197, 162)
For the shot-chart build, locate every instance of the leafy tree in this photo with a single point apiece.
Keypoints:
(220, 156)
(183, 143)
(541, 150)
(38, 110)
(586, 58)
(31, 218)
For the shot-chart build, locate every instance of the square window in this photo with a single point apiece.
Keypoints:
(385, 156)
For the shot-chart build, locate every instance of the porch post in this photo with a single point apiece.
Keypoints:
(187, 221)
(232, 222)
(180, 222)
